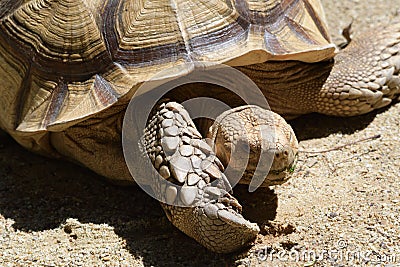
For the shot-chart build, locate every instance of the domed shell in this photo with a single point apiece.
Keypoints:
(62, 61)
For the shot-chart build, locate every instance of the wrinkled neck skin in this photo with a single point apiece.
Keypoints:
(291, 87)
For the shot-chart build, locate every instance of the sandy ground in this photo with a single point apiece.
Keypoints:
(342, 205)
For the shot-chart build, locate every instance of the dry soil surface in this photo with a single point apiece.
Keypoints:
(342, 205)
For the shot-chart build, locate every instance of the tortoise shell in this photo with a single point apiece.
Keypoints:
(62, 61)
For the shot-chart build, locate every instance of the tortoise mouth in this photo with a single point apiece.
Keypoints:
(288, 169)
(274, 176)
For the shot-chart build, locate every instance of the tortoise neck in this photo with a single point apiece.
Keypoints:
(291, 87)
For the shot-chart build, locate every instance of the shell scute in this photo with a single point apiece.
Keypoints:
(78, 57)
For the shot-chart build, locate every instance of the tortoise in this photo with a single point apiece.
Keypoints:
(69, 69)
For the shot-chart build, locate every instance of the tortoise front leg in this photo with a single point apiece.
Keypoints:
(200, 204)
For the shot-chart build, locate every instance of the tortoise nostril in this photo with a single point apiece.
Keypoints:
(282, 154)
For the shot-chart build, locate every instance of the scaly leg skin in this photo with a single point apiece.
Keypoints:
(365, 75)
(210, 215)
(362, 77)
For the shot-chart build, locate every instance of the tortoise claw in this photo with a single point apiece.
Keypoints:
(216, 226)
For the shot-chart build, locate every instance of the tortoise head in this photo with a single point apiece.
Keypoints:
(258, 146)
